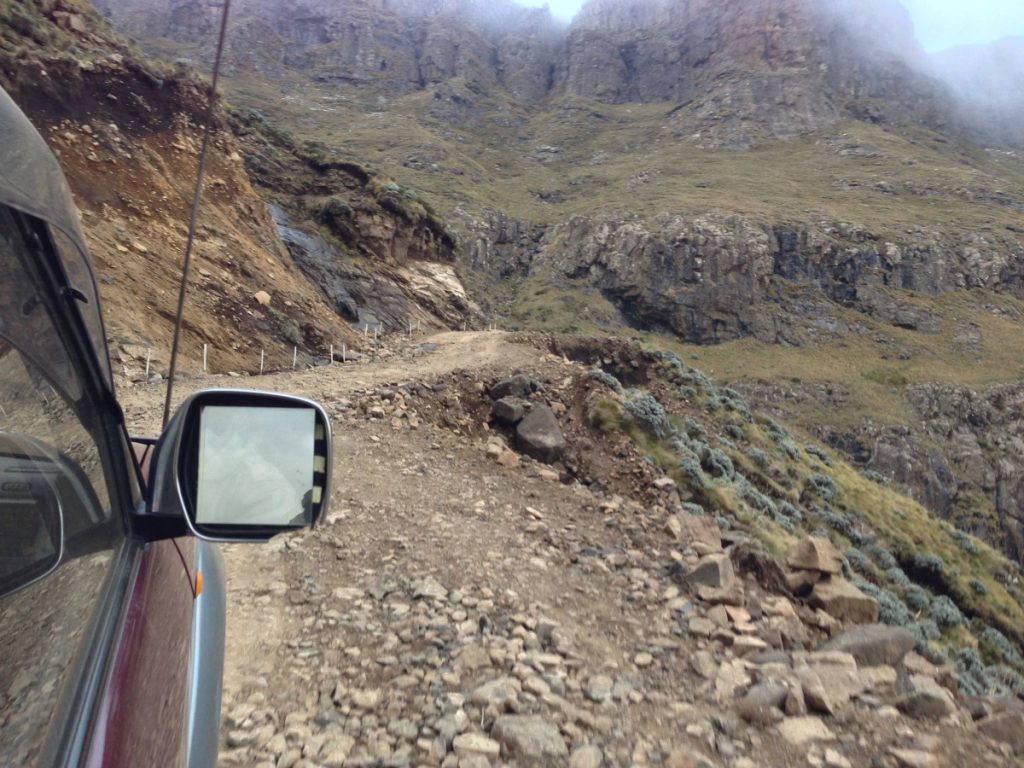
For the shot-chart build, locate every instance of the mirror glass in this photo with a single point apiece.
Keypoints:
(256, 466)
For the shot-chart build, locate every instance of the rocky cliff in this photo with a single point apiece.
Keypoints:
(736, 71)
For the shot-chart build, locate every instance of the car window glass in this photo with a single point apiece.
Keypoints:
(58, 529)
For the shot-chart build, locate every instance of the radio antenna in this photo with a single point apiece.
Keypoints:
(196, 201)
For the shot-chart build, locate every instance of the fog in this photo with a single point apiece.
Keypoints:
(975, 47)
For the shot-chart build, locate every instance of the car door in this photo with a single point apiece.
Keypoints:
(94, 623)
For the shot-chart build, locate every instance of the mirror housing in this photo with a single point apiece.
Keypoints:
(240, 465)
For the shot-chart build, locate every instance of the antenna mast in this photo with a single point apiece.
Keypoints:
(196, 200)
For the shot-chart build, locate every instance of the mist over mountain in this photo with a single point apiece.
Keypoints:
(777, 67)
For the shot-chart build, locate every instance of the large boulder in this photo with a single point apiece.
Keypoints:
(873, 645)
(507, 411)
(712, 571)
(1007, 727)
(815, 554)
(843, 601)
(519, 385)
(539, 435)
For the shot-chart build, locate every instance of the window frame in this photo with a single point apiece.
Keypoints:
(81, 691)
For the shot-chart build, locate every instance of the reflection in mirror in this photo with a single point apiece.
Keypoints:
(256, 466)
(30, 518)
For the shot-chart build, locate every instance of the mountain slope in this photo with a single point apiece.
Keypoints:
(778, 177)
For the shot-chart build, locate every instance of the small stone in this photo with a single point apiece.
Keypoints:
(507, 412)
(467, 744)
(598, 688)
(834, 759)
(643, 659)
(430, 588)
(262, 298)
(366, 698)
(673, 527)
(587, 756)
(529, 737)
(496, 691)
(914, 758)
(927, 700)
(799, 731)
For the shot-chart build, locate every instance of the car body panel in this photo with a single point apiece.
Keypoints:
(146, 689)
(207, 666)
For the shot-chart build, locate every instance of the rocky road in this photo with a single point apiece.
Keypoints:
(462, 606)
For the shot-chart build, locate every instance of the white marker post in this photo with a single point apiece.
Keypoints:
(147, 363)
(295, 357)
(366, 330)
(204, 358)
(344, 352)
(261, 362)
(331, 362)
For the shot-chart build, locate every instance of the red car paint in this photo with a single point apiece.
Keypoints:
(147, 687)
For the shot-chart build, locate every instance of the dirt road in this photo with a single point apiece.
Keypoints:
(453, 611)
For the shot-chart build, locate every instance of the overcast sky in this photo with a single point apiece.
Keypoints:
(940, 23)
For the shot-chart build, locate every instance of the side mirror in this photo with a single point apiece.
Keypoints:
(241, 465)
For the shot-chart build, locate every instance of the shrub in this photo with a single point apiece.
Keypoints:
(1004, 681)
(857, 559)
(789, 448)
(691, 469)
(759, 457)
(882, 557)
(731, 400)
(965, 542)
(793, 513)
(693, 509)
(1000, 646)
(786, 523)
(930, 565)
(818, 453)
(757, 500)
(719, 464)
(647, 412)
(978, 587)
(946, 613)
(970, 672)
(875, 477)
(697, 379)
(898, 577)
(891, 609)
(861, 538)
(695, 428)
(823, 485)
(917, 598)
(840, 522)
(723, 522)
(605, 378)
(736, 432)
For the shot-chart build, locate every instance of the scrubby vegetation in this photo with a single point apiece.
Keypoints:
(744, 469)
